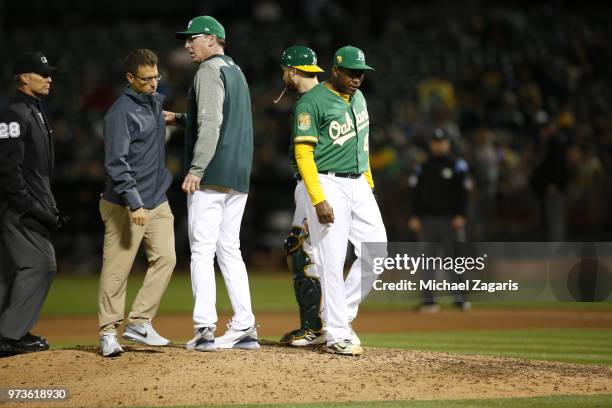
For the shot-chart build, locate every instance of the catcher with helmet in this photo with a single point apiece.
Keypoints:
(300, 69)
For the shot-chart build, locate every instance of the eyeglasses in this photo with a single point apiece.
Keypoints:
(193, 37)
(149, 79)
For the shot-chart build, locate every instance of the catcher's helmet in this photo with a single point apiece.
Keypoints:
(300, 57)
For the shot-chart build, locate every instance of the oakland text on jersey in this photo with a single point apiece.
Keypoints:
(341, 132)
(339, 129)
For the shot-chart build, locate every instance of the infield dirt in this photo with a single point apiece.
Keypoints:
(148, 376)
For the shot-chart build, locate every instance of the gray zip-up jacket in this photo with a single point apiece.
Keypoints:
(134, 151)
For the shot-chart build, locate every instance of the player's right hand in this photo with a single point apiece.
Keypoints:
(191, 183)
(139, 216)
(325, 212)
(170, 118)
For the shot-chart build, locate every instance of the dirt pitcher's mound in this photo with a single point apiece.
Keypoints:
(146, 376)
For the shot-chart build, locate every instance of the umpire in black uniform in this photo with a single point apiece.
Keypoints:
(440, 189)
(28, 211)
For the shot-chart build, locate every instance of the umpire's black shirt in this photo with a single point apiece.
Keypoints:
(26, 156)
(441, 187)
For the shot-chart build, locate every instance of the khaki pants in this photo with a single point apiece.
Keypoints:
(121, 242)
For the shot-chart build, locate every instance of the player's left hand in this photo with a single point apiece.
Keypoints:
(458, 222)
(191, 183)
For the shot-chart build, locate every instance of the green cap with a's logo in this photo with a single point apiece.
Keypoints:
(203, 25)
(300, 57)
(350, 57)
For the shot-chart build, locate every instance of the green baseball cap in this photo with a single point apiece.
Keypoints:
(350, 57)
(203, 25)
(300, 57)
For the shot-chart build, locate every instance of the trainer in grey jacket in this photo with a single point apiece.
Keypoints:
(135, 151)
(134, 207)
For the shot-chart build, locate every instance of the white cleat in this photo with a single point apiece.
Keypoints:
(238, 339)
(344, 348)
(204, 340)
(306, 338)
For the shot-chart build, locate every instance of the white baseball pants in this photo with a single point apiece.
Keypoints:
(302, 202)
(357, 219)
(352, 283)
(214, 228)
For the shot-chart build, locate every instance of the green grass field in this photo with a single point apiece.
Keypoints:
(568, 401)
(271, 292)
(585, 346)
(78, 295)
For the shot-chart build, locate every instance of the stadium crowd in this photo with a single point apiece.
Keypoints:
(522, 91)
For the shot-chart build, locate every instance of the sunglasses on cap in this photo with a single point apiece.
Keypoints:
(193, 37)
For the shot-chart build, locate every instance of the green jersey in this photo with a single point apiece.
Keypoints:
(339, 129)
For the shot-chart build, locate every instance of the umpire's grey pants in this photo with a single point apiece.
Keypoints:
(28, 266)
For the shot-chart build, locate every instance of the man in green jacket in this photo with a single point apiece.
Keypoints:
(218, 159)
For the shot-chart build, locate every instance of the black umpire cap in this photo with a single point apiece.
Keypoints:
(33, 62)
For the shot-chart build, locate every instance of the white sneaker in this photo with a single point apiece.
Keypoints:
(109, 345)
(144, 333)
(204, 340)
(238, 339)
(345, 348)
